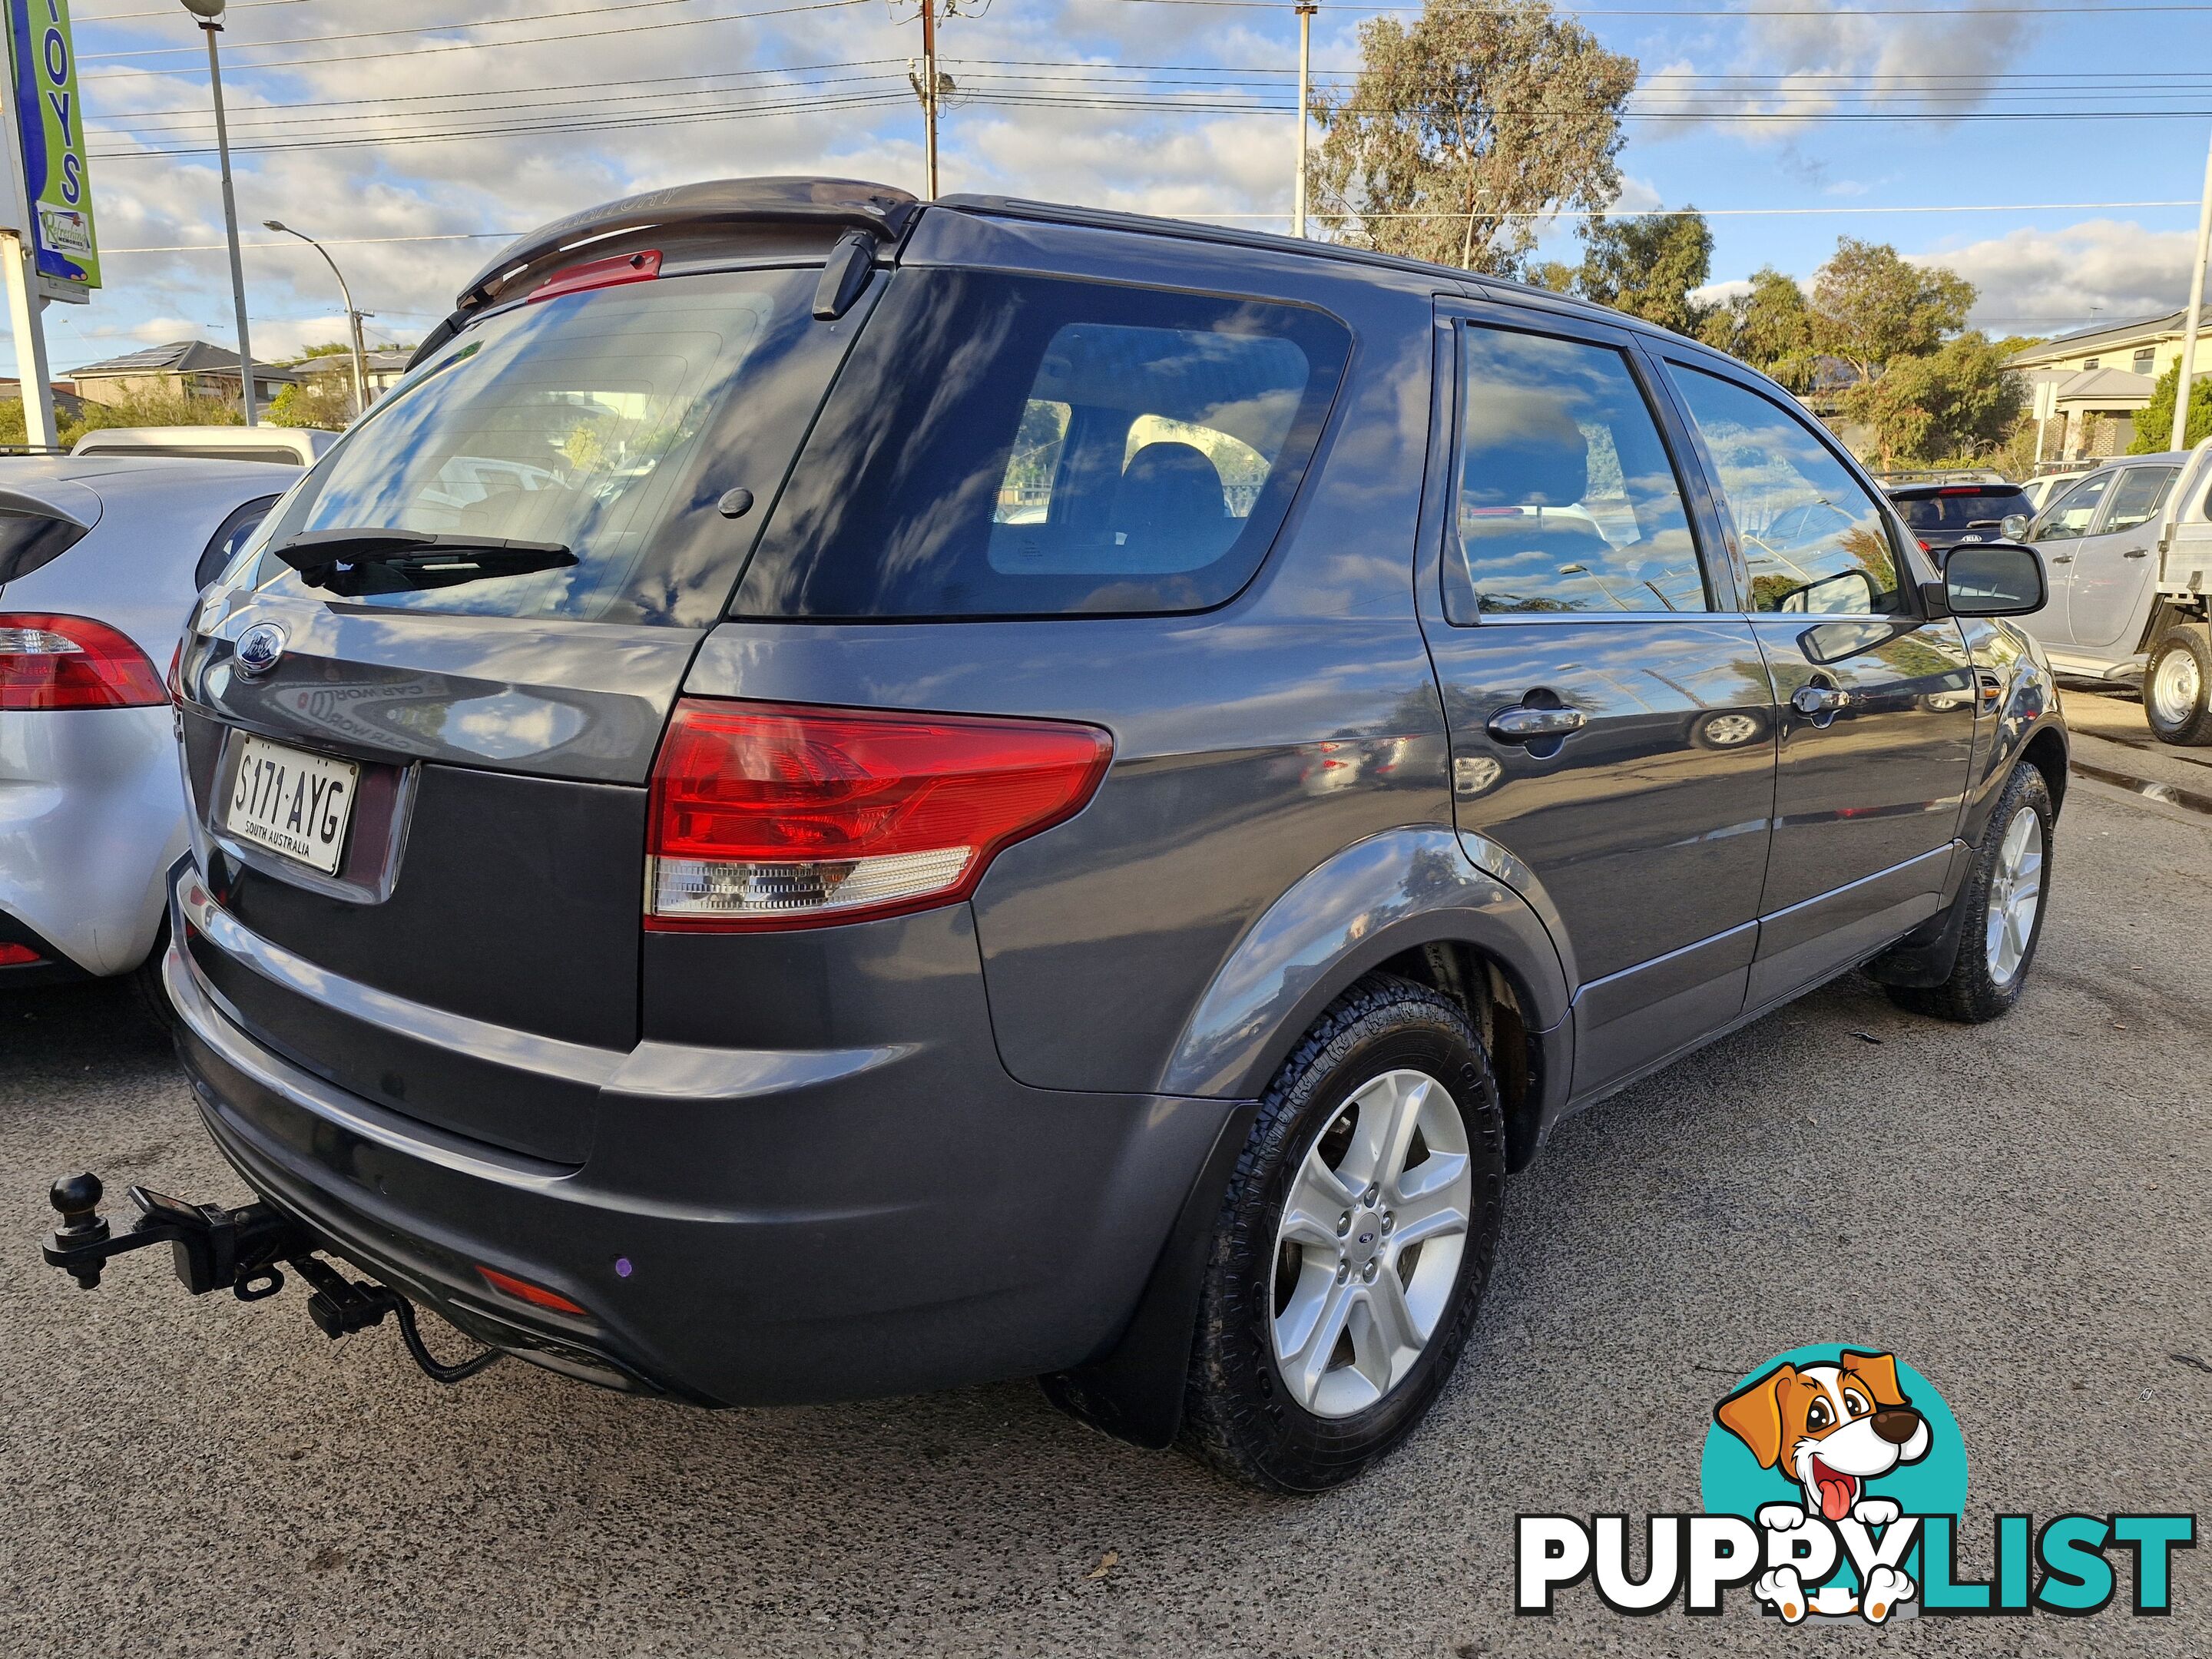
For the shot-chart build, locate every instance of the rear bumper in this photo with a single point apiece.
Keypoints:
(1006, 1233)
(92, 811)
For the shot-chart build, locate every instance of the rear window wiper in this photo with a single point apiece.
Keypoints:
(354, 562)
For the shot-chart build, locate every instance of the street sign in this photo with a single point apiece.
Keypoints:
(2046, 399)
(43, 58)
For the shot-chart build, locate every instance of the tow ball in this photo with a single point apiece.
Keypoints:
(214, 1249)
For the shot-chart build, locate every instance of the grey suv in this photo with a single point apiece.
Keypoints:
(839, 796)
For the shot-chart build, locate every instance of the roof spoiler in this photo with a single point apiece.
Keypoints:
(882, 211)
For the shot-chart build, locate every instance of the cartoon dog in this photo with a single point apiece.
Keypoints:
(1832, 1428)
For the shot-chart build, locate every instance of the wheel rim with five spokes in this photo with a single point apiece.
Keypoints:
(2016, 896)
(1368, 1249)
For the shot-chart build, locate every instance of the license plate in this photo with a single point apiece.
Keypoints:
(292, 802)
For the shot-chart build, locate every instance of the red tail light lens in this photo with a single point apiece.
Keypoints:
(17, 955)
(769, 815)
(72, 662)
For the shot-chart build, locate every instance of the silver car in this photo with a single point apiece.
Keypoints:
(101, 559)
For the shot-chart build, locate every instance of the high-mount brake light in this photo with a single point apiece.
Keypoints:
(49, 661)
(767, 815)
(611, 272)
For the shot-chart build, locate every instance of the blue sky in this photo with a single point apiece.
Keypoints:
(821, 89)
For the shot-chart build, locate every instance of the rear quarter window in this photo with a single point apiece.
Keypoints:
(1008, 446)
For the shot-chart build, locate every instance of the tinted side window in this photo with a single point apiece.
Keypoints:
(1012, 446)
(2071, 515)
(1813, 539)
(223, 546)
(1567, 500)
(2139, 495)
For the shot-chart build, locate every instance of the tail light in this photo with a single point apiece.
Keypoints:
(13, 954)
(769, 815)
(72, 662)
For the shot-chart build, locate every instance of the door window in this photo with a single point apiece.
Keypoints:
(1567, 500)
(2139, 495)
(2071, 515)
(1814, 539)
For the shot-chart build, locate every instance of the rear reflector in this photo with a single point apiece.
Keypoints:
(18, 955)
(599, 273)
(72, 662)
(773, 816)
(523, 1290)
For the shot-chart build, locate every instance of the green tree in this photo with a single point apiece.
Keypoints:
(1771, 328)
(318, 400)
(1462, 127)
(2154, 420)
(1648, 265)
(1955, 401)
(1872, 308)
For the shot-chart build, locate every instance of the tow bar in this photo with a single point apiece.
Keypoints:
(238, 1250)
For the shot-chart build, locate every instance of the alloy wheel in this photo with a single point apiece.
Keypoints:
(1368, 1249)
(2016, 896)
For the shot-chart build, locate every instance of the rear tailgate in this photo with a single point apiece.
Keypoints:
(460, 939)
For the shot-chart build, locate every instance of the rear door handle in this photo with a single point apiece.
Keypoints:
(1527, 724)
(2136, 553)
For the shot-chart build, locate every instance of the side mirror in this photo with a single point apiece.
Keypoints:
(1994, 578)
(2013, 527)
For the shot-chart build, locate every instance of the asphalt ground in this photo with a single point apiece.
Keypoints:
(2018, 1211)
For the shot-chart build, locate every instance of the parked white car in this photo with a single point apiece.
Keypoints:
(100, 560)
(2128, 549)
(2041, 492)
(285, 445)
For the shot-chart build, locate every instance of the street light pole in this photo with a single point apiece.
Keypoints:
(353, 317)
(209, 15)
(2182, 383)
(1306, 9)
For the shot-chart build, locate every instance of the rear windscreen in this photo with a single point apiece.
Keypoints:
(1962, 512)
(607, 422)
(1008, 446)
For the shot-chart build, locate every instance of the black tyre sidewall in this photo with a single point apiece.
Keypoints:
(1972, 995)
(2196, 730)
(1242, 1416)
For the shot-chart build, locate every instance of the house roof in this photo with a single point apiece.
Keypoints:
(2105, 388)
(383, 361)
(2140, 330)
(178, 357)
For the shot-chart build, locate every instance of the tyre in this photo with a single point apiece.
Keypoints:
(150, 996)
(2178, 687)
(2004, 898)
(1354, 1244)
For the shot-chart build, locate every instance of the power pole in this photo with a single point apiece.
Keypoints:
(208, 13)
(2182, 384)
(929, 90)
(1306, 9)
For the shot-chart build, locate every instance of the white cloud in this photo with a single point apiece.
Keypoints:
(2102, 270)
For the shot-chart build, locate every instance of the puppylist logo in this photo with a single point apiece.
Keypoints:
(1834, 1482)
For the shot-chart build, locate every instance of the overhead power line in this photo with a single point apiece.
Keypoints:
(1207, 218)
(418, 29)
(233, 65)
